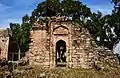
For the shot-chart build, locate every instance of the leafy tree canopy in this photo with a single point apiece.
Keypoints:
(71, 8)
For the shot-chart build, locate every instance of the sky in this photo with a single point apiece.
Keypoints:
(11, 11)
(14, 10)
(105, 6)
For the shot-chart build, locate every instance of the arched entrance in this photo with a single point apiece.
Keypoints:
(61, 53)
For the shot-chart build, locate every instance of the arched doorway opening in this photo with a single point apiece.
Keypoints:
(61, 53)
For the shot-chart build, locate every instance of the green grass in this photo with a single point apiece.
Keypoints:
(38, 72)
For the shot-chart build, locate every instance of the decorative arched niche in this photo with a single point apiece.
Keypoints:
(60, 30)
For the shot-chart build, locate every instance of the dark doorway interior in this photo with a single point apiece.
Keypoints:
(0, 53)
(61, 53)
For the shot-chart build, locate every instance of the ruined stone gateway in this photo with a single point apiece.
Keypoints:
(64, 43)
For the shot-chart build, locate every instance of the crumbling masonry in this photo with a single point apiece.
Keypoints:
(66, 43)
(4, 42)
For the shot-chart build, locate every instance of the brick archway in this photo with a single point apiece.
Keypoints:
(58, 33)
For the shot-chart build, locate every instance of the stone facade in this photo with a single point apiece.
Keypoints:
(4, 43)
(79, 47)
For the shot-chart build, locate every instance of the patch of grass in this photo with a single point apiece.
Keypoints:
(59, 72)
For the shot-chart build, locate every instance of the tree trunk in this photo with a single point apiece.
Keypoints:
(19, 53)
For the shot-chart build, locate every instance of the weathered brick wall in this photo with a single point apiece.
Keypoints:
(81, 49)
(38, 53)
(4, 42)
(85, 51)
(107, 57)
(83, 54)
